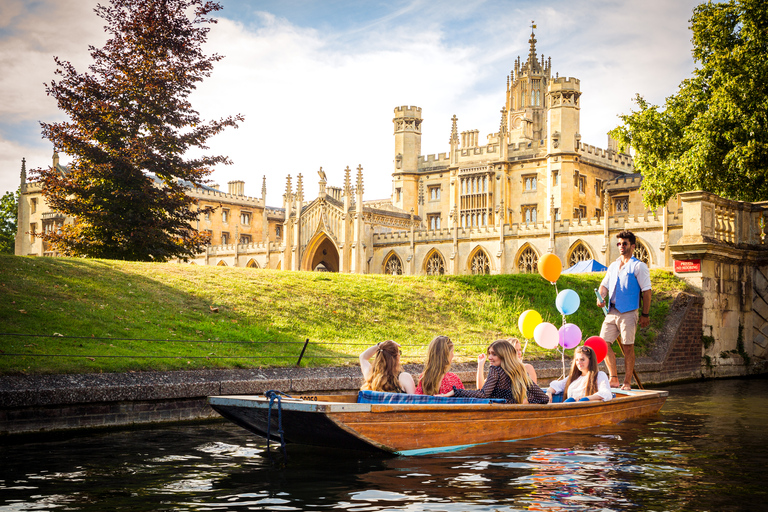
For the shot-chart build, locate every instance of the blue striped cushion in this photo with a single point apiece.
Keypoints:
(380, 397)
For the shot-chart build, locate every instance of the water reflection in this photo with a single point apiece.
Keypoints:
(706, 450)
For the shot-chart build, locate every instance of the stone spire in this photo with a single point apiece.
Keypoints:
(532, 61)
(299, 189)
(359, 189)
(288, 186)
(347, 182)
(264, 188)
(454, 131)
(503, 124)
(23, 174)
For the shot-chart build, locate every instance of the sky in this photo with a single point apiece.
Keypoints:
(318, 81)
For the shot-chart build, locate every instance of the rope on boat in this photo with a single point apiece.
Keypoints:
(273, 395)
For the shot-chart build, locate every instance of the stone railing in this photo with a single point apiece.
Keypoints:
(709, 218)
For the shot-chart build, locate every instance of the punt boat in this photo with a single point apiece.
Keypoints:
(340, 421)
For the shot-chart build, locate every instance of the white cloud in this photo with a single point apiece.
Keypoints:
(323, 95)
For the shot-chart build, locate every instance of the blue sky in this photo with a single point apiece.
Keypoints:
(318, 81)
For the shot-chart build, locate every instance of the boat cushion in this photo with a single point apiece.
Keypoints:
(381, 397)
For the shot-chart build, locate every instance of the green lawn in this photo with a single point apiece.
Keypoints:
(64, 315)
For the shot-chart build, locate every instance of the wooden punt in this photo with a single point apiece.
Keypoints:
(337, 421)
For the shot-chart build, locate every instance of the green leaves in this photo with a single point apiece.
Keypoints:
(130, 119)
(713, 134)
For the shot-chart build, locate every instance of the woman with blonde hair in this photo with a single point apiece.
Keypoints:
(584, 382)
(436, 378)
(507, 378)
(385, 374)
(529, 369)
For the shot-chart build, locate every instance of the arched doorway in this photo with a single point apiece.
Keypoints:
(321, 255)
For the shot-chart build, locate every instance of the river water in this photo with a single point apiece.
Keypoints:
(707, 450)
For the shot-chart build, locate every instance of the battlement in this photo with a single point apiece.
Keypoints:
(620, 160)
(565, 84)
(431, 160)
(210, 194)
(406, 111)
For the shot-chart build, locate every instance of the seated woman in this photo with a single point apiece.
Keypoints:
(529, 369)
(507, 378)
(584, 382)
(385, 374)
(436, 378)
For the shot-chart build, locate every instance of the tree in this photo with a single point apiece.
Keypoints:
(131, 123)
(713, 134)
(8, 218)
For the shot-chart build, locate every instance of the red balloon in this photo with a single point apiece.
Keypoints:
(599, 345)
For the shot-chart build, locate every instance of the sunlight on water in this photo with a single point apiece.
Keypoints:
(704, 451)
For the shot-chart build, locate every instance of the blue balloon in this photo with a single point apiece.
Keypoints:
(567, 302)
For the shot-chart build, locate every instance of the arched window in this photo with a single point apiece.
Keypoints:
(435, 265)
(641, 253)
(252, 264)
(579, 253)
(480, 264)
(528, 263)
(393, 265)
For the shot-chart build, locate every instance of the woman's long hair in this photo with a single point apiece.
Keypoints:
(436, 365)
(513, 368)
(385, 369)
(591, 387)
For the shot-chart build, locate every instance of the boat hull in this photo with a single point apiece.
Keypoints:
(337, 422)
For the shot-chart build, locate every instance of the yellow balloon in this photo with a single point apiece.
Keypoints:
(550, 267)
(528, 322)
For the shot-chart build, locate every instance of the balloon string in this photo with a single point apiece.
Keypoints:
(562, 355)
(525, 346)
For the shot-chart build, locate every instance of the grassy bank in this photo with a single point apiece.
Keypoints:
(61, 315)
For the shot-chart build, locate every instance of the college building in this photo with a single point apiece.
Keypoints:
(492, 204)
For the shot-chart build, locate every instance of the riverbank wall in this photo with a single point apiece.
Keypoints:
(48, 403)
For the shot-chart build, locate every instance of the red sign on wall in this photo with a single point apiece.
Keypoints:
(688, 265)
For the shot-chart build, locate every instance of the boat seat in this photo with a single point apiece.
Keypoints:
(381, 397)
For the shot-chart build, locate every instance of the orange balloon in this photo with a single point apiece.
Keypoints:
(550, 267)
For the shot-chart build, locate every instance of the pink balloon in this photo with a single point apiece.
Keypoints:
(569, 336)
(545, 334)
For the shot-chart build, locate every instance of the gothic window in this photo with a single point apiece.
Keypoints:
(224, 238)
(252, 264)
(33, 205)
(621, 204)
(555, 178)
(598, 212)
(528, 261)
(480, 263)
(582, 184)
(529, 214)
(245, 218)
(598, 187)
(529, 183)
(579, 253)
(435, 265)
(641, 253)
(580, 212)
(224, 216)
(245, 239)
(434, 221)
(434, 193)
(393, 265)
(557, 214)
(278, 231)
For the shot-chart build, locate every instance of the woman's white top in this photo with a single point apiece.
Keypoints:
(577, 388)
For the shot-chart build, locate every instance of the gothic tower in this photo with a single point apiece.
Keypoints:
(526, 91)
(407, 151)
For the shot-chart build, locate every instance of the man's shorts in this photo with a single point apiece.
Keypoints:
(620, 324)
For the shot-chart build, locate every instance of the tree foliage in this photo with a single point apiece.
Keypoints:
(713, 134)
(8, 219)
(131, 119)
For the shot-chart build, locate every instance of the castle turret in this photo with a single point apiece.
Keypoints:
(562, 143)
(407, 123)
(526, 91)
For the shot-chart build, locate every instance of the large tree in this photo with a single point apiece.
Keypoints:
(713, 134)
(131, 125)
(8, 219)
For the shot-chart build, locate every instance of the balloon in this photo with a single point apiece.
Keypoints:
(550, 267)
(528, 322)
(567, 302)
(545, 334)
(569, 335)
(599, 345)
